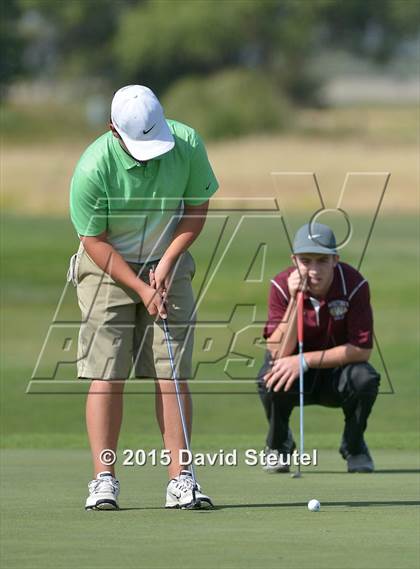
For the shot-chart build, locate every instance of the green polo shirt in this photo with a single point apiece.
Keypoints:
(139, 205)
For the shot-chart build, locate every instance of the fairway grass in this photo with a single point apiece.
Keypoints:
(366, 521)
(51, 417)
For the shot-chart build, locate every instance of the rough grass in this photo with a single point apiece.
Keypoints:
(36, 260)
(37, 164)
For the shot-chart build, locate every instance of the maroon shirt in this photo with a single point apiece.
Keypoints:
(343, 316)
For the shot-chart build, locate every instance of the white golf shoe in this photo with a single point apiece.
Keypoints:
(103, 492)
(181, 493)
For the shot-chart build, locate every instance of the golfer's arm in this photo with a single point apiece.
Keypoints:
(338, 356)
(282, 341)
(187, 230)
(110, 261)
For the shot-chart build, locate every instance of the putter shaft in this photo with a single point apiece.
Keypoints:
(178, 396)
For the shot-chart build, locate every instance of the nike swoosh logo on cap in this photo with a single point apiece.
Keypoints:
(314, 236)
(208, 185)
(148, 130)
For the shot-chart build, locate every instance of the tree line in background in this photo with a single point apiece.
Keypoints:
(247, 60)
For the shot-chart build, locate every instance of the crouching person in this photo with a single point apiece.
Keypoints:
(338, 330)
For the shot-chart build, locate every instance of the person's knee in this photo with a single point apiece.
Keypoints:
(262, 390)
(364, 378)
(278, 397)
(106, 386)
(169, 386)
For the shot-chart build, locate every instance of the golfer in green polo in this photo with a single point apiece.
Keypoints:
(139, 198)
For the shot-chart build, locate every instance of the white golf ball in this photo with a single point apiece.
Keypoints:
(314, 506)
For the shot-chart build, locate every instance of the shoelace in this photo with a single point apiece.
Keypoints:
(111, 482)
(184, 483)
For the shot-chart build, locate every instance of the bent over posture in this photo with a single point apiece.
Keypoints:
(139, 198)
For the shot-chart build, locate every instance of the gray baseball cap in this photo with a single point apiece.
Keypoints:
(314, 238)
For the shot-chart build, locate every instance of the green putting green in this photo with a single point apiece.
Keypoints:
(261, 520)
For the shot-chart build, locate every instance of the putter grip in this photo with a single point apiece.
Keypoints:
(300, 316)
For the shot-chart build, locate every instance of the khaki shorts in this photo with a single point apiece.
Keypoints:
(118, 338)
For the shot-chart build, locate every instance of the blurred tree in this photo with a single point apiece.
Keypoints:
(84, 33)
(231, 102)
(11, 45)
(170, 44)
(164, 40)
(161, 41)
(371, 28)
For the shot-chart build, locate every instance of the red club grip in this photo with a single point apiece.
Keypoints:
(300, 316)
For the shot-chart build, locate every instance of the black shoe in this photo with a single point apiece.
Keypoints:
(358, 462)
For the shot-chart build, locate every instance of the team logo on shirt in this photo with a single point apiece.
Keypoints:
(338, 309)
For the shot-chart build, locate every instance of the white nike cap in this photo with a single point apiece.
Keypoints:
(138, 118)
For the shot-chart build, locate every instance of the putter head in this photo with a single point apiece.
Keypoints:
(199, 504)
(194, 504)
(297, 474)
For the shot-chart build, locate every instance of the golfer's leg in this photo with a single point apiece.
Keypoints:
(104, 356)
(169, 419)
(104, 409)
(278, 408)
(358, 388)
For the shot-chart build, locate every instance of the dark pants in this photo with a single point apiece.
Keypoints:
(353, 387)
